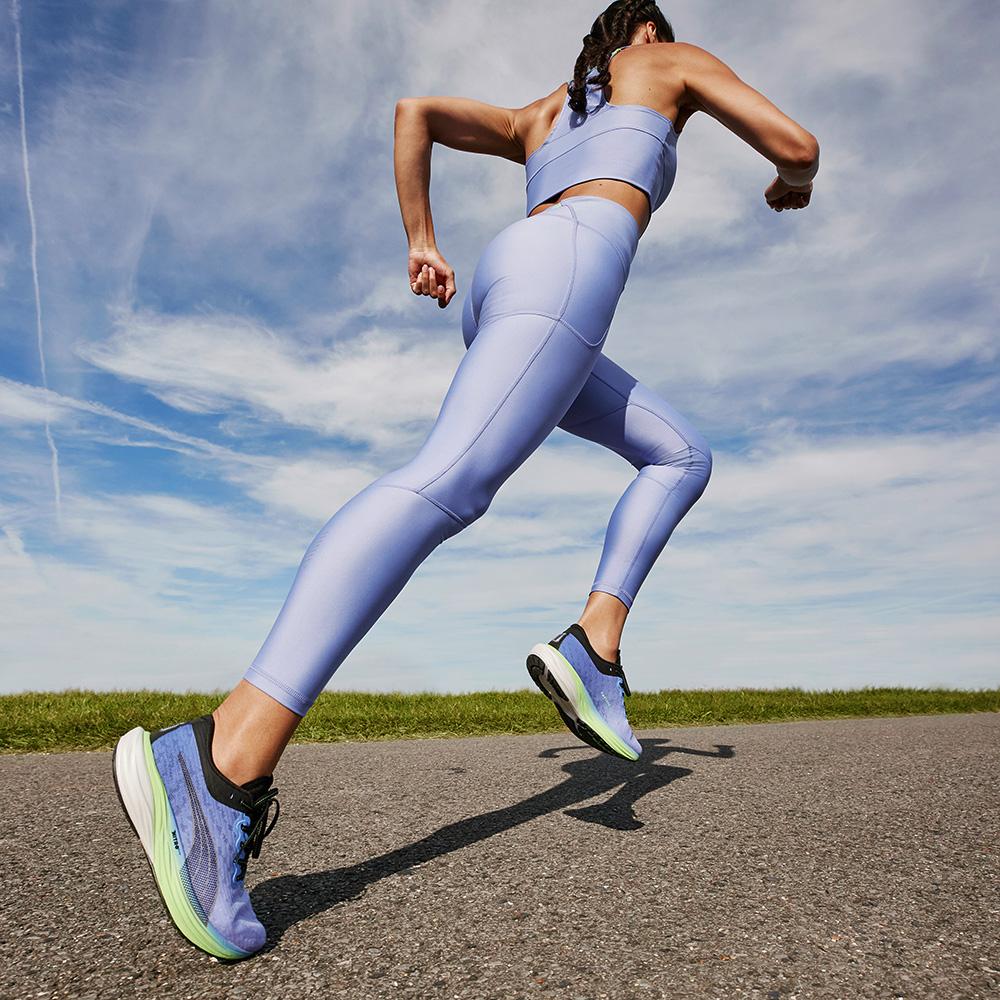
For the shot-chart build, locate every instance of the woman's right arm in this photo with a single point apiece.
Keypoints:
(461, 123)
(711, 86)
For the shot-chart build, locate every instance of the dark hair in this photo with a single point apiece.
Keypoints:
(614, 27)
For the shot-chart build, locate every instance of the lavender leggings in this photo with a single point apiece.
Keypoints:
(534, 321)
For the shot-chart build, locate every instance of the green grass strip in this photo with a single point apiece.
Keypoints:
(93, 720)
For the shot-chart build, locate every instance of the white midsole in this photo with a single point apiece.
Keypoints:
(567, 682)
(134, 785)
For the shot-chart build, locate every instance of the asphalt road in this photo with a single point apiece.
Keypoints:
(842, 859)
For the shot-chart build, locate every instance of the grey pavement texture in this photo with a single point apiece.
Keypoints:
(842, 859)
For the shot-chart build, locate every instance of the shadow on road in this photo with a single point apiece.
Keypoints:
(284, 901)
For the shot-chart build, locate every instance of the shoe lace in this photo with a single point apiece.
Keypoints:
(626, 690)
(256, 830)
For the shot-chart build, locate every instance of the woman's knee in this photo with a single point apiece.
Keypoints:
(701, 461)
(467, 498)
(695, 456)
(692, 463)
(463, 499)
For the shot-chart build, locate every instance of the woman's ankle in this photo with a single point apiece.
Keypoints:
(250, 734)
(603, 639)
(231, 762)
(603, 619)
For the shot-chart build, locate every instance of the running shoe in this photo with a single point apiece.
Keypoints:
(588, 691)
(198, 830)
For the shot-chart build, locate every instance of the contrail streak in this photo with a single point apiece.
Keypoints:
(15, 13)
(195, 444)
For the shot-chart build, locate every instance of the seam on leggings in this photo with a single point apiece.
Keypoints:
(614, 246)
(676, 430)
(610, 386)
(527, 365)
(588, 420)
(271, 679)
(536, 312)
(441, 506)
(659, 416)
(619, 592)
(659, 510)
(668, 489)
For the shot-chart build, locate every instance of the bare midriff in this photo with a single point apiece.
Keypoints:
(628, 195)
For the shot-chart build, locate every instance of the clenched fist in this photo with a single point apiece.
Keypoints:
(431, 274)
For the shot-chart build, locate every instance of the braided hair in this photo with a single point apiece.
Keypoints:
(613, 28)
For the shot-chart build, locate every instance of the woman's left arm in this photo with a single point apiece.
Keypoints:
(458, 122)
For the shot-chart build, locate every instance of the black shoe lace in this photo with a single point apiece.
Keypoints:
(256, 830)
(626, 690)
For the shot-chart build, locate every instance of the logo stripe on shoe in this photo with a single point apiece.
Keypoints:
(200, 867)
(170, 871)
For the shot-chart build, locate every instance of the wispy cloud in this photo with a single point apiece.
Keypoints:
(28, 404)
(15, 13)
(230, 349)
(210, 364)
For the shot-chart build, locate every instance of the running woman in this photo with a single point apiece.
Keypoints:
(600, 155)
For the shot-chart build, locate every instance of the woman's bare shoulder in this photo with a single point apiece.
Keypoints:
(534, 121)
(652, 75)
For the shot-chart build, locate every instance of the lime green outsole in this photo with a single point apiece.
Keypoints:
(166, 870)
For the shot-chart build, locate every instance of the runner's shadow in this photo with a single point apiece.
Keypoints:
(617, 812)
(284, 901)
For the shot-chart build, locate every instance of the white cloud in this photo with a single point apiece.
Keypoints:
(841, 564)
(372, 388)
(29, 404)
(219, 227)
(20, 404)
(312, 486)
(71, 625)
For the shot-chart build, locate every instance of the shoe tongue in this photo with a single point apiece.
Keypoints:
(258, 786)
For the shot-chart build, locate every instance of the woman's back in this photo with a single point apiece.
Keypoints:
(640, 74)
(675, 80)
(630, 142)
(623, 149)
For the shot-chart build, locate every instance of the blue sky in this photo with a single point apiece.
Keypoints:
(232, 349)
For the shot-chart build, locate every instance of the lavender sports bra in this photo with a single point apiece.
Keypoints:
(627, 142)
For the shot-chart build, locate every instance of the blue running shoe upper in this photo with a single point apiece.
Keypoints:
(217, 826)
(604, 681)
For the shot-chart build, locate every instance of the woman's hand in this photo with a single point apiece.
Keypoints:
(780, 195)
(431, 274)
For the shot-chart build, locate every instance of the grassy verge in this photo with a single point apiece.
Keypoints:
(93, 720)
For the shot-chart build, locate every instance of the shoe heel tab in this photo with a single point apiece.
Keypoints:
(163, 731)
(606, 666)
(556, 639)
(221, 788)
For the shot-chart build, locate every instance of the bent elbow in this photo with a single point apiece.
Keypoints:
(407, 104)
(799, 156)
(807, 155)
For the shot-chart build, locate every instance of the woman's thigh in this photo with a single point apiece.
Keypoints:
(616, 410)
(535, 318)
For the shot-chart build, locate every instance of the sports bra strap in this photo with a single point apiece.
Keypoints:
(626, 142)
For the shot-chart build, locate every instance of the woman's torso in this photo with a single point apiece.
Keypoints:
(645, 75)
